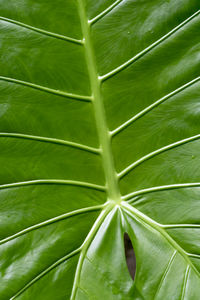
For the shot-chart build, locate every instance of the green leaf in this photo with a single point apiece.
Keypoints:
(100, 136)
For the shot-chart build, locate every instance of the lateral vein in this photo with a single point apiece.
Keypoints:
(47, 270)
(48, 90)
(165, 273)
(54, 181)
(160, 188)
(42, 31)
(50, 221)
(105, 12)
(152, 106)
(146, 50)
(155, 153)
(185, 283)
(173, 226)
(193, 255)
(50, 140)
(85, 247)
(145, 219)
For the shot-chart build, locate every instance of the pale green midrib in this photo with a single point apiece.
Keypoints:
(113, 192)
(102, 128)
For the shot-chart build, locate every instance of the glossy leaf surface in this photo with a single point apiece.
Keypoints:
(99, 135)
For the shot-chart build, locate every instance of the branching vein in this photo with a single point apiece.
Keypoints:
(194, 255)
(48, 90)
(185, 283)
(85, 247)
(187, 226)
(50, 221)
(111, 178)
(130, 210)
(152, 106)
(105, 12)
(54, 181)
(159, 189)
(46, 271)
(165, 273)
(146, 50)
(50, 140)
(155, 153)
(42, 31)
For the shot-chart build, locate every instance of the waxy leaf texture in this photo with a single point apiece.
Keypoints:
(99, 136)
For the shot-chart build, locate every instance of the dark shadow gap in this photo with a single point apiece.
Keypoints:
(130, 255)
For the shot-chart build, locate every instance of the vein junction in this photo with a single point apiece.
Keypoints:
(114, 197)
(104, 136)
(112, 184)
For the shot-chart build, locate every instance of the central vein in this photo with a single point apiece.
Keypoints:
(104, 135)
